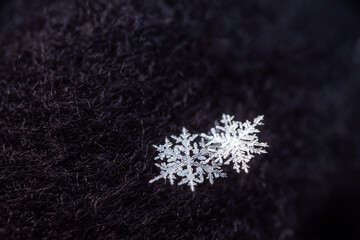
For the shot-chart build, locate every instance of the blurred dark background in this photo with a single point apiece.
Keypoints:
(87, 87)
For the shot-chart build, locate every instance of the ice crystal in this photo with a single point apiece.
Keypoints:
(234, 142)
(194, 160)
(186, 159)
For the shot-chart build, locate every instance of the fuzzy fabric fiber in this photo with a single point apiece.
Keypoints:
(87, 87)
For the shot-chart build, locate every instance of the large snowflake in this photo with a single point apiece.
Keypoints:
(234, 142)
(187, 160)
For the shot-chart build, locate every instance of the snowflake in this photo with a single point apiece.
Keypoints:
(235, 142)
(187, 160)
(193, 161)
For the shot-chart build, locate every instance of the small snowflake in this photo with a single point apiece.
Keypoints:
(234, 142)
(187, 160)
(193, 161)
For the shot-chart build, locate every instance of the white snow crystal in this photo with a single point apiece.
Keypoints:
(193, 160)
(187, 160)
(234, 142)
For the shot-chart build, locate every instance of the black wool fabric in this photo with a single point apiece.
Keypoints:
(87, 87)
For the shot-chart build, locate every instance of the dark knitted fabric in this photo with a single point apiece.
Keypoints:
(87, 87)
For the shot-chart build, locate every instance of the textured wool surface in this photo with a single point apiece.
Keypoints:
(87, 87)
